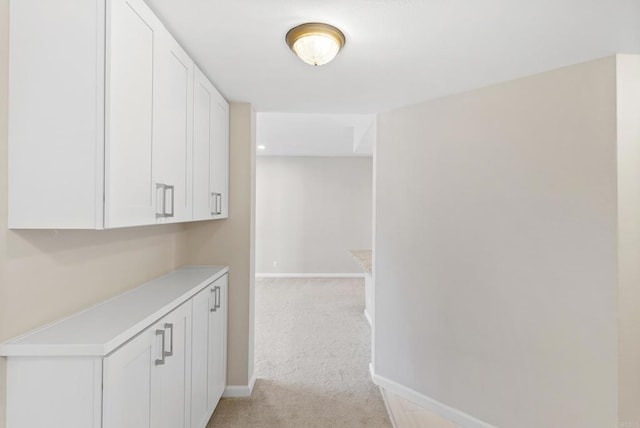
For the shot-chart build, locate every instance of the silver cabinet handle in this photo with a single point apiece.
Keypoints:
(160, 361)
(214, 308)
(172, 188)
(217, 297)
(164, 200)
(170, 353)
(216, 203)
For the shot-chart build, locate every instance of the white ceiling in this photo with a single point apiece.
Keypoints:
(296, 134)
(398, 52)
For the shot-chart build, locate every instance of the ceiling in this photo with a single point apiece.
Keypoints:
(301, 134)
(398, 52)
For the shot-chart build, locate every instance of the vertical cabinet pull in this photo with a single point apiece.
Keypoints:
(172, 189)
(170, 352)
(216, 203)
(163, 187)
(217, 297)
(214, 308)
(160, 361)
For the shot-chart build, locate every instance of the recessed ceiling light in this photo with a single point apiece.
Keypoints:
(315, 43)
(262, 147)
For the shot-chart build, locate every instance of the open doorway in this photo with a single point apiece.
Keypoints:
(314, 195)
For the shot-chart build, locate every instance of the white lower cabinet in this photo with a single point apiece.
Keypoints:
(171, 382)
(209, 364)
(218, 346)
(146, 382)
(127, 383)
(169, 374)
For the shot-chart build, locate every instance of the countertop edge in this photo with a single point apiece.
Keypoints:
(11, 349)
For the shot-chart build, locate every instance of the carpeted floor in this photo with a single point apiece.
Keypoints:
(312, 357)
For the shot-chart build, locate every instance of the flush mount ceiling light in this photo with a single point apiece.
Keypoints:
(315, 43)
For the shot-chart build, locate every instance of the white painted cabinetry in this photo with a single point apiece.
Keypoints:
(154, 357)
(130, 196)
(209, 365)
(210, 151)
(173, 127)
(217, 344)
(102, 120)
(127, 383)
(220, 155)
(171, 383)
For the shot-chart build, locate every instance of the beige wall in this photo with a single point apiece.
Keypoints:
(310, 211)
(628, 70)
(231, 242)
(496, 241)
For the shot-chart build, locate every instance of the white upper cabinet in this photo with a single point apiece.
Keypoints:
(173, 128)
(210, 151)
(56, 114)
(220, 156)
(130, 197)
(101, 123)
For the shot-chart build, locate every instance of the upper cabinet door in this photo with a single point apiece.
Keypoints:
(56, 104)
(203, 99)
(220, 156)
(130, 196)
(173, 127)
(210, 151)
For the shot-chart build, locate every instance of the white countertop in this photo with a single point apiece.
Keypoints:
(99, 330)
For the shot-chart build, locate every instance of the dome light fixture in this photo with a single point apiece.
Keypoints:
(315, 43)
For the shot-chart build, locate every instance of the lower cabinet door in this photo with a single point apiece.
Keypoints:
(171, 379)
(217, 364)
(209, 351)
(127, 376)
(203, 304)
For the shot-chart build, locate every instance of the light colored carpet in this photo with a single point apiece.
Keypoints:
(312, 357)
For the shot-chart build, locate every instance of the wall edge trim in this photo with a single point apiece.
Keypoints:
(457, 416)
(368, 317)
(239, 391)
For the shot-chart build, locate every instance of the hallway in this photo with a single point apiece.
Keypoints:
(312, 357)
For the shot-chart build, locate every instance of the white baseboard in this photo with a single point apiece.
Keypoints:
(239, 391)
(368, 317)
(310, 275)
(386, 406)
(428, 403)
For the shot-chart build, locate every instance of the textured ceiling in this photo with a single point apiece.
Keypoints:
(398, 52)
